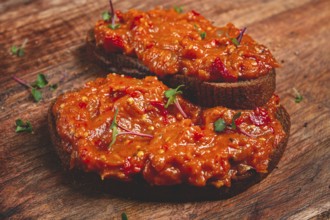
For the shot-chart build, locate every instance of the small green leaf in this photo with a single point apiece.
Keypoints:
(37, 95)
(53, 87)
(114, 26)
(41, 81)
(236, 116)
(20, 52)
(106, 16)
(178, 9)
(114, 128)
(124, 216)
(203, 35)
(219, 125)
(235, 41)
(23, 127)
(298, 99)
(14, 49)
(171, 95)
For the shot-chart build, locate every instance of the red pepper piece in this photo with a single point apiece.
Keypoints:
(136, 21)
(260, 117)
(195, 13)
(198, 135)
(129, 167)
(218, 70)
(161, 107)
(82, 105)
(113, 43)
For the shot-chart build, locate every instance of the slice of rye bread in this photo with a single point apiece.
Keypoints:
(247, 94)
(142, 190)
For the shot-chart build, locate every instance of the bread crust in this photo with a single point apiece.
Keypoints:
(247, 94)
(142, 190)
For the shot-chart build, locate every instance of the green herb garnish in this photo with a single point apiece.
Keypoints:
(178, 9)
(37, 95)
(171, 99)
(298, 97)
(171, 95)
(114, 26)
(41, 81)
(235, 41)
(124, 216)
(114, 128)
(203, 35)
(18, 51)
(238, 39)
(53, 87)
(23, 127)
(106, 16)
(219, 125)
(236, 116)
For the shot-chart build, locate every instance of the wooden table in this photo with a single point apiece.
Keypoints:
(33, 183)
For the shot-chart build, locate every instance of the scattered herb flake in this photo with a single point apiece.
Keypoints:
(219, 125)
(106, 16)
(178, 9)
(23, 127)
(235, 41)
(37, 95)
(124, 216)
(53, 87)
(203, 35)
(298, 97)
(114, 26)
(41, 81)
(18, 51)
(236, 116)
(14, 50)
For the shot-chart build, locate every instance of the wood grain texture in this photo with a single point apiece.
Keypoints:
(33, 184)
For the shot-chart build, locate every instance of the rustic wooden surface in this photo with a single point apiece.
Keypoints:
(33, 183)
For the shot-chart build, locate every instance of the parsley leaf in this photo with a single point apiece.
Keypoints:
(114, 128)
(106, 16)
(114, 26)
(203, 35)
(37, 95)
(171, 95)
(236, 116)
(124, 216)
(41, 81)
(219, 125)
(23, 127)
(178, 9)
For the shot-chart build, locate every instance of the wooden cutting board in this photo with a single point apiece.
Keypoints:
(34, 185)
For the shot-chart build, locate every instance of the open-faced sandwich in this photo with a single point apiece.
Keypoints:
(125, 128)
(218, 65)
